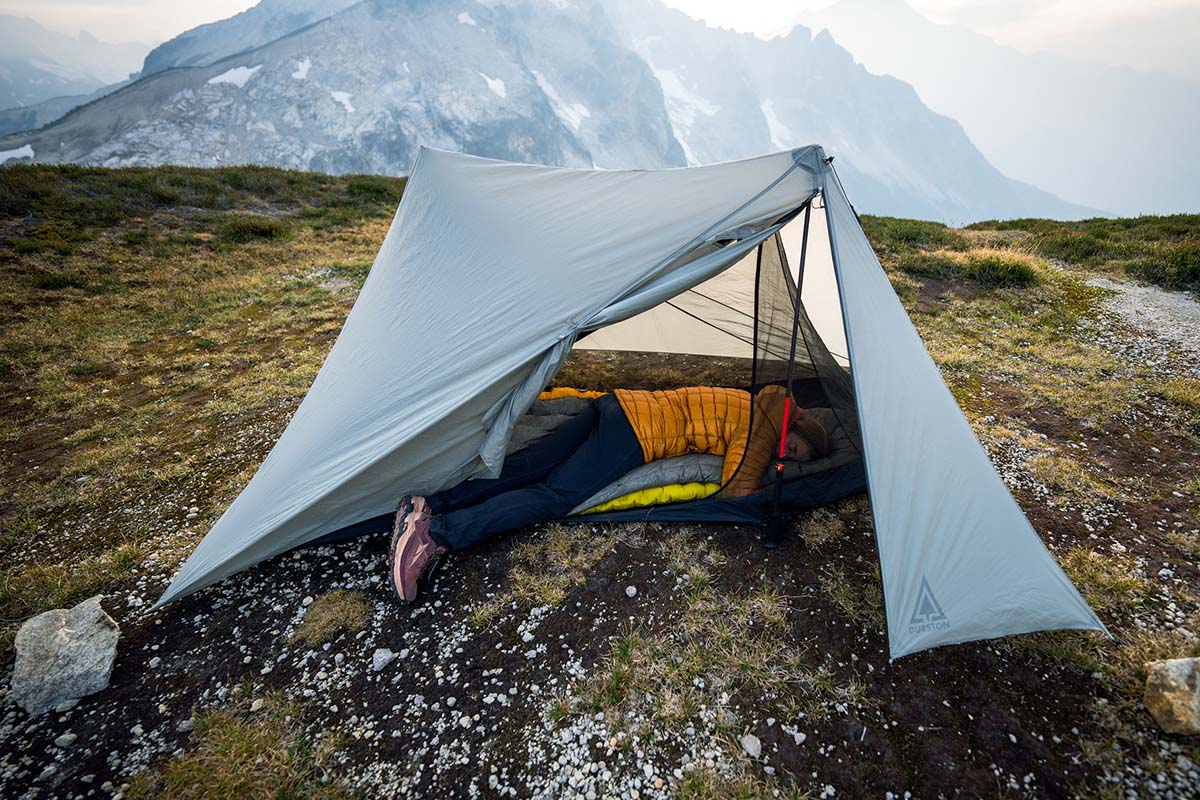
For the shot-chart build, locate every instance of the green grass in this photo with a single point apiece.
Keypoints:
(1164, 250)
(142, 305)
(236, 753)
(987, 267)
(893, 235)
(51, 281)
(248, 228)
(547, 566)
(71, 205)
(995, 311)
(331, 615)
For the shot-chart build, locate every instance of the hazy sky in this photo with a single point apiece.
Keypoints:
(1146, 33)
(125, 20)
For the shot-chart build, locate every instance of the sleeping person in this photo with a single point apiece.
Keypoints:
(616, 433)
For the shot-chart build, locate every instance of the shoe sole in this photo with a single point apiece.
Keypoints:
(402, 512)
(395, 565)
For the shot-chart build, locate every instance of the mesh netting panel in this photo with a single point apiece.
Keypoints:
(832, 379)
(816, 379)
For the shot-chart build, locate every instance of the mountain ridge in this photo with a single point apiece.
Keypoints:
(574, 84)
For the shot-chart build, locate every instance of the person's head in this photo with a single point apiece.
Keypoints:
(807, 440)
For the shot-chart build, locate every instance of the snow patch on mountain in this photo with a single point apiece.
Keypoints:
(467, 19)
(781, 135)
(344, 99)
(573, 114)
(302, 68)
(25, 151)
(684, 105)
(496, 85)
(236, 76)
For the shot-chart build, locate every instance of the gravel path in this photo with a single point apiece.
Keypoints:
(1170, 316)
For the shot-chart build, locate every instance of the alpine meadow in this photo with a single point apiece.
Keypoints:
(163, 324)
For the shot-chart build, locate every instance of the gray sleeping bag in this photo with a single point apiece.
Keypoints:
(544, 416)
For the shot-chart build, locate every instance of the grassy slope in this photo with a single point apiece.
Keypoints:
(147, 313)
(159, 327)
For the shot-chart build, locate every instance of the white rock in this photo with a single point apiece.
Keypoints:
(464, 721)
(257, 705)
(381, 658)
(1173, 694)
(63, 655)
(66, 740)
(631, 591)
(751, 745)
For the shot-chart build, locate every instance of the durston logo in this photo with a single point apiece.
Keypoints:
(928, 614)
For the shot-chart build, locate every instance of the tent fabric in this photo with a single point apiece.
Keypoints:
(488, 273)
(492, 270)
(958, 558)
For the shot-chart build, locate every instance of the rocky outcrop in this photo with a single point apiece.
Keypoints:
(63, 655)
(1173, 694)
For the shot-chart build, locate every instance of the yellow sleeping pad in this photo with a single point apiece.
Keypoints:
(656, 496)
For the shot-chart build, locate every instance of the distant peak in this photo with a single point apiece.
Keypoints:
(824, 37)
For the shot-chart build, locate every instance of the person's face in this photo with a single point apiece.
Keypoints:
(797, 448)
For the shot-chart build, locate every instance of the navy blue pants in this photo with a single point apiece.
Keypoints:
(542, 482)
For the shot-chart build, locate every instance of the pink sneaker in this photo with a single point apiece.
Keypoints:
(412, 502)
(413, 554)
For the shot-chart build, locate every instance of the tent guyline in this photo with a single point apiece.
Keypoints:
(760, 261)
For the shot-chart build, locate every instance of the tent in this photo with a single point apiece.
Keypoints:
(492, 272)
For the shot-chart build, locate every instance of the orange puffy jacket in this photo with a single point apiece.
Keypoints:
(707, 419)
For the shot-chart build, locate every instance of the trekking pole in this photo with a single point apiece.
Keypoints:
(775, 522)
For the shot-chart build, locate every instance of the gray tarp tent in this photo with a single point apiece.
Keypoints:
(490, 273)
